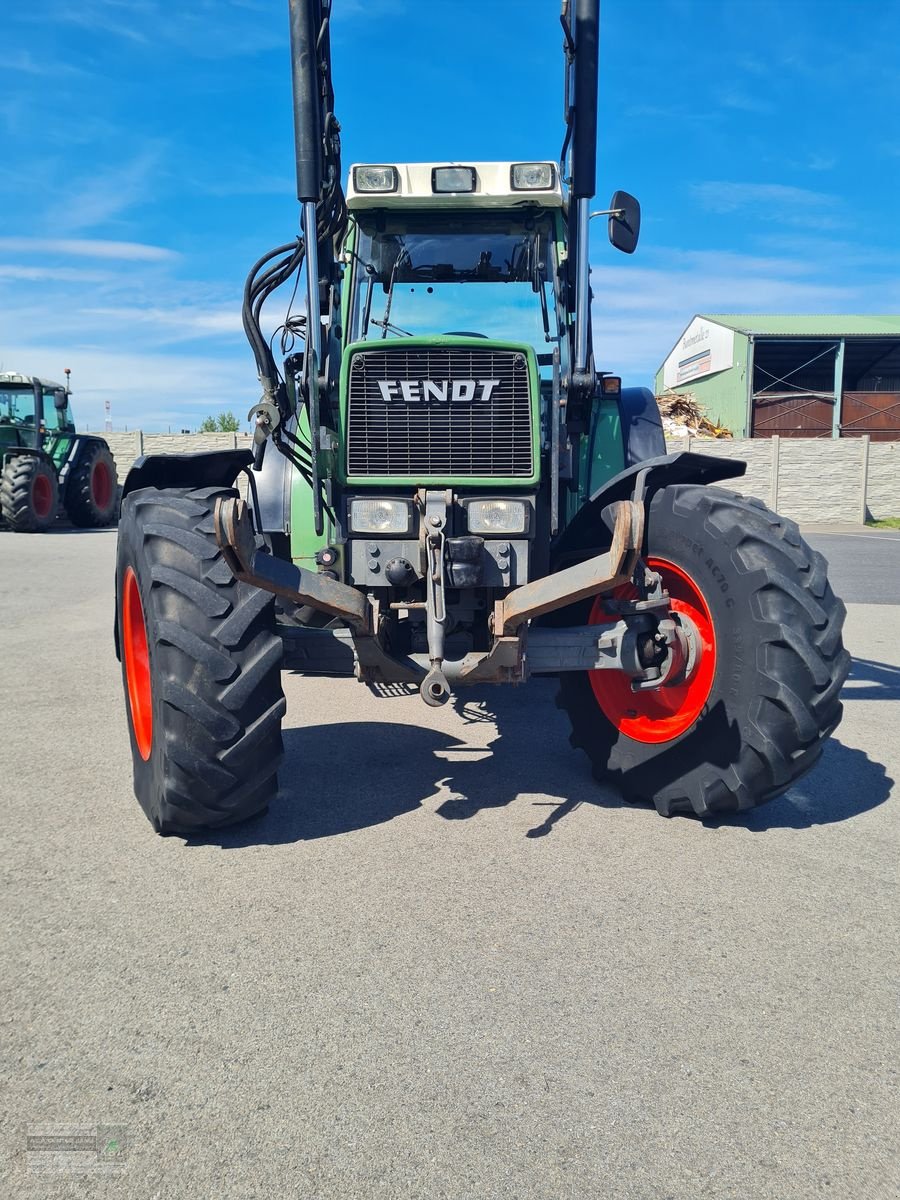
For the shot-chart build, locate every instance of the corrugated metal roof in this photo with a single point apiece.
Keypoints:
(824, 325)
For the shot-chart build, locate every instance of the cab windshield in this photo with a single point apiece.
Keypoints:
(16, 405)
(480, 274)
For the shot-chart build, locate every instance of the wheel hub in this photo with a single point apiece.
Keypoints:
(660, 708)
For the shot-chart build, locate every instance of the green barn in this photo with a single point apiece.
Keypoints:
(794, 376)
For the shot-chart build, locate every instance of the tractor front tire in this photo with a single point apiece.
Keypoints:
(201, 666)
(92, 493)
(753, 715)
(29, 494)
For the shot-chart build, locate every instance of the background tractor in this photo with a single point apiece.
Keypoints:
(45, 463)
(446, 490)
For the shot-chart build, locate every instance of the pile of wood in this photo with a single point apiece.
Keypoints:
(681, 417)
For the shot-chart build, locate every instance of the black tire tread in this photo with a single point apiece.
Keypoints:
(221, 684)
(15, 494)
(80, 507)
(797, 622)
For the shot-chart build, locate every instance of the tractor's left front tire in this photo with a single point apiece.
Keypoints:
(29, 494)
(201, 666)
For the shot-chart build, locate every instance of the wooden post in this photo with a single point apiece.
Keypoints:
(864, 490)
(776, 459)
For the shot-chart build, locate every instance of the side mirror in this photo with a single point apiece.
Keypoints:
(624, 222)
(61, 400)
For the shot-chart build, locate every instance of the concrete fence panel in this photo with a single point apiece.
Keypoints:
(808, 479)
(813, 479)
(883, 480)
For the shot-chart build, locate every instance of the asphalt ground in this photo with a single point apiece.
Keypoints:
(446, 963)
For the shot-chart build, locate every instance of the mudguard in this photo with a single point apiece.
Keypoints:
(206, 468)
(642, 431)
(587, 530)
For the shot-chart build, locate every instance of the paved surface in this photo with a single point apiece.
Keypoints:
(446, 964)
(864, 564)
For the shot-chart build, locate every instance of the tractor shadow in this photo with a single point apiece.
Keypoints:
(345, 776)
(870, 680)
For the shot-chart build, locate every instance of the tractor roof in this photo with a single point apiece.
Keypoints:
(17, 380)
(418, 185)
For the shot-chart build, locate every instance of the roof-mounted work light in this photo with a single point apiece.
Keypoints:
(531, 177)
(376, 179)
(453, 179)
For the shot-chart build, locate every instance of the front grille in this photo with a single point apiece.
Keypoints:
(490, 437)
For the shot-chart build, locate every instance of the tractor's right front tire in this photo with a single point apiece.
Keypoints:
(201, 666)
(92, 493)
(752, 715)
(29, 494)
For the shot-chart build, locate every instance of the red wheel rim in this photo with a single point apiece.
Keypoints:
(137, 664)
(101, 485)
(41, 496)
(667, 712)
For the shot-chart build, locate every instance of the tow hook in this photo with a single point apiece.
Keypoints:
(434, 688)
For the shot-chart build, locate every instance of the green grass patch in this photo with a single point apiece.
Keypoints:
(885, 523)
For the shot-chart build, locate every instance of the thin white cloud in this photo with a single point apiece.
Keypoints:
(105, 194)
(43, 68)
(174, 324)
(23, 273)
(777, 203)
(720, 196)
(87, 248)
(743, 101)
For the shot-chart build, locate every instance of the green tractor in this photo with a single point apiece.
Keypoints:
(45, 463)
(445, 490)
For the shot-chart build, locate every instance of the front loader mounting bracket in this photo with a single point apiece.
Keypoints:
(253, 564)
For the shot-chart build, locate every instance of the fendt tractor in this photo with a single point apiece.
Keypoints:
(444, 491)
(45, 463)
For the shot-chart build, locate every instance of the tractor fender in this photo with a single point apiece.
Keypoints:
(587, 530)
(206, 468)
(642, 431)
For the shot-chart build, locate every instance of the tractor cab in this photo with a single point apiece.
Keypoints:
(31, 408)
(455, 251)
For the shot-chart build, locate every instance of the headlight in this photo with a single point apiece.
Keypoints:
(453, 179)
(375, 515)
(375, 179)
(497, 516)
(526, 177)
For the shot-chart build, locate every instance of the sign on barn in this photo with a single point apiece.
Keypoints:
(702, 349)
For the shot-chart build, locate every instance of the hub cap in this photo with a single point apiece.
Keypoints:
(661, 714)
(137, 664)
(41, 496)
(101, 485)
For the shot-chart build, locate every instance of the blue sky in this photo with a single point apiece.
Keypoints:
(148, 161)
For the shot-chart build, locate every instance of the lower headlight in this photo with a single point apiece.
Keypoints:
(497, 516)
(376, 515)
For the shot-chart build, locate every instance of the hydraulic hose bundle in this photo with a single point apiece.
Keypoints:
(318, 159)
